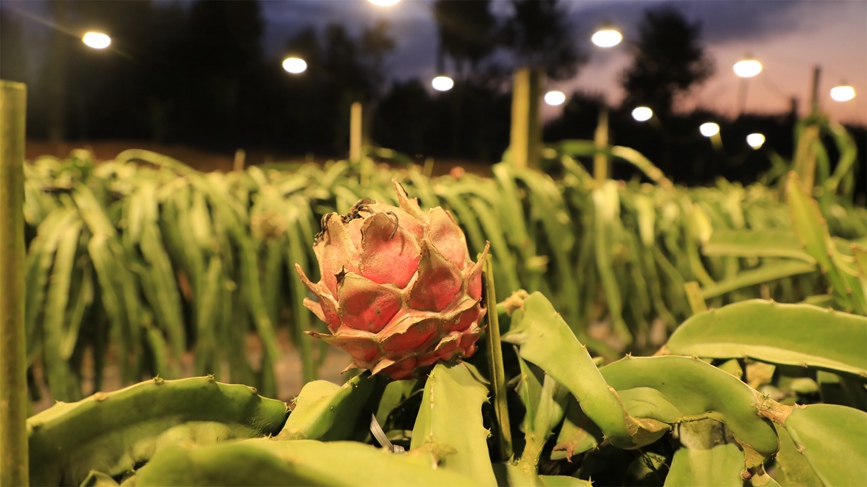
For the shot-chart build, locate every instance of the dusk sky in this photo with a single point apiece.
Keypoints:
(789, 37)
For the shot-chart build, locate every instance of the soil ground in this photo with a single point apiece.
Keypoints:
(287, 370)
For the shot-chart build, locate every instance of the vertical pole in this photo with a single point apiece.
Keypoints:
(600, 139)
(239, 161)
(805, 151)
(814, 90)
(355, 132)
(526, 136)
(14, 468)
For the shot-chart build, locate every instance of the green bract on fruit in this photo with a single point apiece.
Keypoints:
(398, 290)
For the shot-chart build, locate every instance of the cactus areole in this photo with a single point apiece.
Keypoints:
(398, 290)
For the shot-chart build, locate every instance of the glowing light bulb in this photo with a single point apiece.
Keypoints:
(607, 37)
(96, 40)
(842, 93)
(755, 140)
(642, 114)
(384, 3)
(442, 83)
(555, 98)
(709, 129)
(747, 68)
(294, 65)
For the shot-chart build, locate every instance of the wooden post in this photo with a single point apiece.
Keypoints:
(526, 137)
(601, 163)
(355, 132)
(805, 151)
(239, 161)
(814, 90)
(14, 469)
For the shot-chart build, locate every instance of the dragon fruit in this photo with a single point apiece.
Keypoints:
(398, 290)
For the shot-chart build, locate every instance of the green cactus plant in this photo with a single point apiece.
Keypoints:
(673, 419)
(115, 432)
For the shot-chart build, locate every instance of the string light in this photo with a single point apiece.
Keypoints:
(96, 40)
(709, 129)
(756, 140)
(294, 65)
(642, 114)
(442, 83)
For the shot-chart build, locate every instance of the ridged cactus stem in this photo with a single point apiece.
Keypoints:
(13, 366)
(113, 432)
(495, 362)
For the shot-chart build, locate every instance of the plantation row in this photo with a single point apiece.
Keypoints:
(141, 259)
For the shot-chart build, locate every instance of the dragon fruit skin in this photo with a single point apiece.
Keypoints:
(398, 290)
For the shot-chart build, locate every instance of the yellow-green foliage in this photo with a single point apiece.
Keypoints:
(144, 259)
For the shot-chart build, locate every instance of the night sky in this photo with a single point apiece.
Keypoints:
(789, 37)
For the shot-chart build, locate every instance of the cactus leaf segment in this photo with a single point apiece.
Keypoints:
(267, 461)
(577, 434)
(790, 334)
(692, 389)
(114, 432)
(329, 412)
(812, 231)
(548, 412)
(752, 243)
(832, 439)
(792, 467)
(768, 272)
(633, 401)
(545, 340)
(451, 414)
(720, 466)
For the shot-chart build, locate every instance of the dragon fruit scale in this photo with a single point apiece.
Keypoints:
(398, 290)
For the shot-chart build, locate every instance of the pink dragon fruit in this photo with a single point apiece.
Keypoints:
(398, 290)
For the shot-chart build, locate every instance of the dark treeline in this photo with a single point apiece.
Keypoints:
(198, 74)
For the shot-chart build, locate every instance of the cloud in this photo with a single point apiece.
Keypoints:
(411, 21)
(722, 21)
(415, 51)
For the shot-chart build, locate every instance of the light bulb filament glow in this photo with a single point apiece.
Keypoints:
(709, 129)
(555, 98)
(642, 114)
(755, 140)
(842, 93)
(96, 40)
(442, 83)
(747, 68)
(294, 65)
(607, 37)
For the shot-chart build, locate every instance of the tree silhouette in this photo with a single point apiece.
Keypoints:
(376, 43)
(12, 42)
(111, 90)
(539, 35)
(466, 32)
(221, 56)
(668, 60)
(342, 69)
(405, 118)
